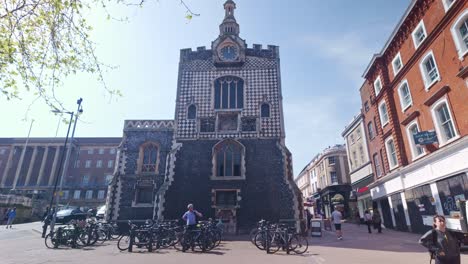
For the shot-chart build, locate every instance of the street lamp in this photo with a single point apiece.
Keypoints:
(61, 164)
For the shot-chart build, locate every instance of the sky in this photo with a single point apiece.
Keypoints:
(325, 47)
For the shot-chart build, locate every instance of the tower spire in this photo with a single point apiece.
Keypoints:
(229, 25)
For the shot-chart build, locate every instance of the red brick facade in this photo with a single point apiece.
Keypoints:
(452, 84)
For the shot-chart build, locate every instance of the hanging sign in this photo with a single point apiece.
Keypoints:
(425, 137)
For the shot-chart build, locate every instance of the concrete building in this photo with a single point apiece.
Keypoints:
(360, 167)
(224, 151)
(416, 89)
(329, 183)
(33, 168)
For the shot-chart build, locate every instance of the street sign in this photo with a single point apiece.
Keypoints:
(425, 137)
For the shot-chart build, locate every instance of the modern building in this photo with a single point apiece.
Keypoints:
(415, 113)
(30, 166)
(329, 183)
(360, 168)
(225, 150)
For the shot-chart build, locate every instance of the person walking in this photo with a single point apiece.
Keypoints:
(336, 218)
(47, 219)
(190, 217)
(11, 217)
(357, 217)
(5, 215)
(368, 220)
(377, 220)
(444, 245)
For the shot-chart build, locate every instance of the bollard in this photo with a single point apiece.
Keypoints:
(132, 237)
(150, 241)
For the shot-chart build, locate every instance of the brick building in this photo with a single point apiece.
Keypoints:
(418, 82)
(32, 168)
(325, 181)
(225, 151)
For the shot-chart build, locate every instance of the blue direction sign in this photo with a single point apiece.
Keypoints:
(425, 137)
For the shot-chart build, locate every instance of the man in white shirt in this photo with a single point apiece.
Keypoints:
(336, 218)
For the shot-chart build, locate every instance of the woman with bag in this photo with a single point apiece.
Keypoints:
(443, 244)
(368, 220)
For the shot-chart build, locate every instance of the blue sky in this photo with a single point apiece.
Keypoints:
(324, 45)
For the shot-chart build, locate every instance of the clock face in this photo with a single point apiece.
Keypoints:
(229, 53)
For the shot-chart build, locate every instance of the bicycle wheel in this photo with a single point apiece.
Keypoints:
(252, 235)
(299, 244)
(123, 243)
(49, 241)
(261, 239)
(274, 243)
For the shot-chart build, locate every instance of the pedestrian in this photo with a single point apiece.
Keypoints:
(190, 218)
(444, 245)
(337, 217)
(308, 217)
(46, 213)
(5, 215)
(377, 220)
(368, 220)
(11, 217)
(47, 219)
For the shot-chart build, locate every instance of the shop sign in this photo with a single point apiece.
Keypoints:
(425, 137)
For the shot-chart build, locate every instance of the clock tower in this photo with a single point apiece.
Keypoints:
(229, 48)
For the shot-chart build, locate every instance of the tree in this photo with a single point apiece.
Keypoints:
(44, 41)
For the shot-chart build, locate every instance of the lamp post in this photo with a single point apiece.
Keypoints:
(54, 194)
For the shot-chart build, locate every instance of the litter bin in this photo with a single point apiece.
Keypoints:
(315, 228)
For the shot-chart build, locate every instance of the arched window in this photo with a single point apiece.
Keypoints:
(148, 161)
(229, 93)
(228, 159)
(265, 110)
(192, 112)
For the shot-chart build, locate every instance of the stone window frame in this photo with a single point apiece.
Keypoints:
(99, 164)
(447, 4)
(261, 110)
(214, 175)
(438, 126)
(88, 163)
(413, 145)
(141, 157)
(138, 186)
(462, 48)
(189, 117)
(397, 58)
(214, 95)
(402, 99)
(425, 75)
(417, 43)
(390, 153)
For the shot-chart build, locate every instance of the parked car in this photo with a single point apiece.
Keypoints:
(100, 212)
(66, 215)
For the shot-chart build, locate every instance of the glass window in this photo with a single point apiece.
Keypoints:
(88, 164)
(101, 194)
(229, 93)
(334, 178)
(391, 153)
(112, 151)
(431, 70)
(397, 64)
(192, 112)
(331, 160)
(366, 106)
(85, 180)
(464, 32)
(149, 158)
(265, 109)
(370, 128)
(226, 198)
(383, 113)
(144, 195)
(90, 151)
(419, 34)
(76, 194)
(378, 169)
(89, 194)
(416, 149)
(77, 164)
(110, 164)
(65, 195)
(445, 122)
(405, 96)
(101, 151)
(377, 86)
(2, 151)
(99, 164)
(361, 154)
(228, 159)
